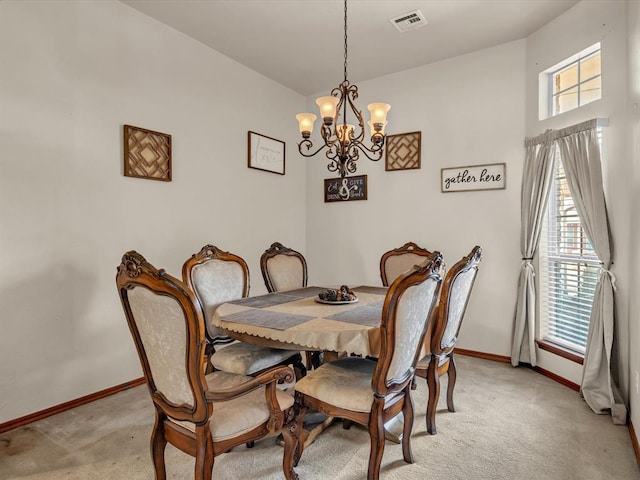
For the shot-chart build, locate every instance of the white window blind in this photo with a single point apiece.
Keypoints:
(568, 270)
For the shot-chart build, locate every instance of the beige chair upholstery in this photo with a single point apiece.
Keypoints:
(286, 269)
(373, 392)
(283, 268)
(397, 261)
(203, 416)
(454, 297)
(216, 276)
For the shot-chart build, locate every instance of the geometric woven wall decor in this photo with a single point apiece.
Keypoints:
(147, 154)
(402, 151)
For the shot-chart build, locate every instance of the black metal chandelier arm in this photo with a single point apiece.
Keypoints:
(308, 144)
(375, 150)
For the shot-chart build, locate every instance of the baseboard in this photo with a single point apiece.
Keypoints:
(486, 356)
(634, 442)
(557, 378)
(505, 359)
(19, 422)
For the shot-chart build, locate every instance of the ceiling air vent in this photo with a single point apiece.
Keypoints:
(409, 21)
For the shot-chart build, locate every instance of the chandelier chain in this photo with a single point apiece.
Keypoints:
(344, 142)
(345, 41)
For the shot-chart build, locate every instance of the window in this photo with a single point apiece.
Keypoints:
(575, 81)
(569, 270)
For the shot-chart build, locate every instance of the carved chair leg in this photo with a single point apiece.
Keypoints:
(451, 375)
(291, 437)
(204, 456)
(300, 412)
(376, 433)
(433, 381)
(407, 411)
(158, 444)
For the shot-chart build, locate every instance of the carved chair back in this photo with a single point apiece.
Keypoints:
(216, 276)
(168, 331)
(408, 307)
(283, 268)
(456, 291)
(397, 261)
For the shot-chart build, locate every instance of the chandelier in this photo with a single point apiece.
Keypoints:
(342, 141)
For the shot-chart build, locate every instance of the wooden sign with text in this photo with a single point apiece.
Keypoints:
(474, 177)
(345, 189)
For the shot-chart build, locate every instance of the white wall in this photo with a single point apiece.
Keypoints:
(470, 110)
(578, 28)
(633, 108)
(72, 74)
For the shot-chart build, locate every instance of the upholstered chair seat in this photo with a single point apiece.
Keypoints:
(240, 415)
(345, 383)
(246, 359)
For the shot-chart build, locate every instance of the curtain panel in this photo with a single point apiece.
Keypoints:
(536, 182)
(580, 156)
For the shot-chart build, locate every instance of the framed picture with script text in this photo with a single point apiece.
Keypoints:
(266, 153)
(345, 189)
(474, 177)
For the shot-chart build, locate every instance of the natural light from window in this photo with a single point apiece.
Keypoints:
(569, 270)
(574, 82)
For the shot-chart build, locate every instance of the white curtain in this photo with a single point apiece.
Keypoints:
(536, 181)
(580, 155)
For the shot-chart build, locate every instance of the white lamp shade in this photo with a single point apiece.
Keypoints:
(327, 106)
(379, 112)
(305, 122)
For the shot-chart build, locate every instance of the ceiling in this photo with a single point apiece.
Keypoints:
(300, 43)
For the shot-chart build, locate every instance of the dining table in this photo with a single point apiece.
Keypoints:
(300, 320)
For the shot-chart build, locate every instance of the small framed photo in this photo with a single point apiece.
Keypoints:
(266, 153)
(147, 154)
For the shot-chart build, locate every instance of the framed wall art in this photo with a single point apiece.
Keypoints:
(147, 154)
(475, 177)
(402, 151)
(345, 189)
(266, 153)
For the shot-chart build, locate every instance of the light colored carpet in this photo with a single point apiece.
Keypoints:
(510, 424)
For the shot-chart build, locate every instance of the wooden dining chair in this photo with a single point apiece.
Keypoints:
(372, 392)
(216, 277)
(283, 268)
(201, 415)
(397, 261)
(286, 269)
(454, 297)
